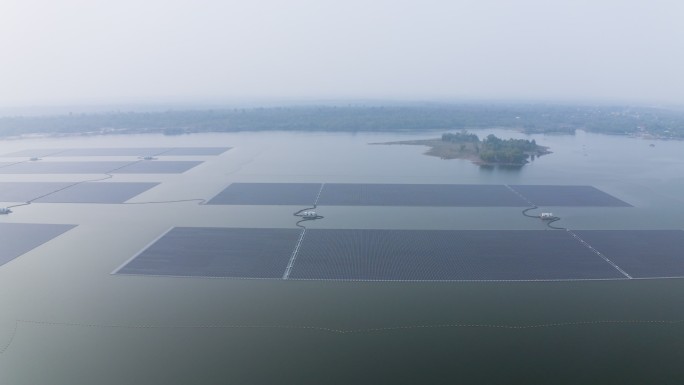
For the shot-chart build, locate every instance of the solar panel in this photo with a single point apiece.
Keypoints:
(25, 191)
(181, 151)
(641, 253)
(157, 167)
(138, 167)
(129, 151)
(123, 151)
(458, 195)
(303, 194)
(118, 192)
(217, 252)
(18, 238)
(542, 195)
(34, 152)
(446, 255)
(44, 167)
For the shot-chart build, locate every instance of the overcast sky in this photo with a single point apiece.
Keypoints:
(160, 51)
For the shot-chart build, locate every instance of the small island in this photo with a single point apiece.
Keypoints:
(490, 151)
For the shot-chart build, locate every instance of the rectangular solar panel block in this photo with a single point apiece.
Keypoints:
(302, 194)
(94, 192)
(34, 152)
(122, 151)
(217, 252)
(46, 167)
(196, 151)
(26, 191)
(18, 238)
(157, 167)
(110, 151)
(444, 195)
(641, 253)
(542, 195)
(426, 255)
(125, 167)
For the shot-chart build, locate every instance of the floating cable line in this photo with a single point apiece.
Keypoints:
(307, 214)
(549, 220)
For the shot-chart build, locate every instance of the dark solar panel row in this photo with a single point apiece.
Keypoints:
(140, 167)
(67, 192)
(19, 238)
(641, 253)
(124, 151)
(118, 192)
(446, 255)
(543, 195)
(302, 194)
(461, 195)
(217, 252)
(411, 255)
(439, 195)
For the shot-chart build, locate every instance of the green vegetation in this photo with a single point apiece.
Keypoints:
(487, 152)
(511, 151)
(563, 119)
(460, 137)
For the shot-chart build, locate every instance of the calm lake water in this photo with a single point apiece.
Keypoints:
(66, 320)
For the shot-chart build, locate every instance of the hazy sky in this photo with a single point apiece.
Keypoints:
(147, 51)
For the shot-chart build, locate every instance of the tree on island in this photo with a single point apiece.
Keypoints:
(493, 149)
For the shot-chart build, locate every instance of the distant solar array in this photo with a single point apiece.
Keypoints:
(141, 167)
(19, 238)
(118, 192)
(441, 195)
(302, 194)
(463, 195)
(124, 151)
(68, 192)
(542, 195)
(411, 255)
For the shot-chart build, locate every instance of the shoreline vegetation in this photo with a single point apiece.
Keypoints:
(488, 152)
(644, 122)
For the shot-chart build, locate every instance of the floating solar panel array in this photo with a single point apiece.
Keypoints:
(462, 195)
(19, 238)
(641, 253)
(217, 252)
(420, 255)
(139, 167)
(302, 194)
(69, 192)
(411, 255)
(444, 195)
(124, 151)
(542, 195)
